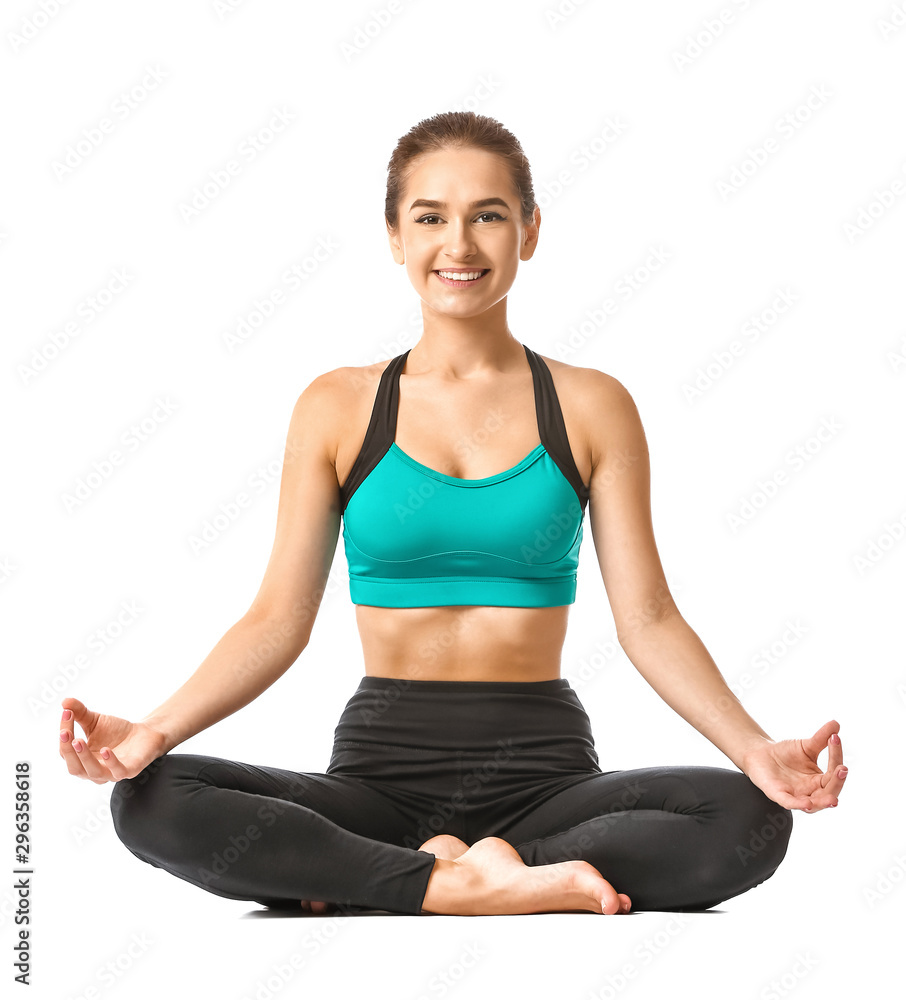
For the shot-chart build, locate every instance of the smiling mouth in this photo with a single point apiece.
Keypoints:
(461, 277)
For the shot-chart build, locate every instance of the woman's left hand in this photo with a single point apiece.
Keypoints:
(787, 771)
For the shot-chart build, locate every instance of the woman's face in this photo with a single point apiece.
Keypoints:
(454, 233)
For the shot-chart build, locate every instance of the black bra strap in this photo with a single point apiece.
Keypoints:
(381, 429)
(551, 427)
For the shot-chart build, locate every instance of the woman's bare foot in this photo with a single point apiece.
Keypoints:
(491, 878)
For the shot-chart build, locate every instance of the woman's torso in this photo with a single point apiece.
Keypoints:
(445, 426)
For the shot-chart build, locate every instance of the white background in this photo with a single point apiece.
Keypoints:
(825, 552)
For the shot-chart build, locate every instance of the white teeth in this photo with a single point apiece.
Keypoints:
(461, 275)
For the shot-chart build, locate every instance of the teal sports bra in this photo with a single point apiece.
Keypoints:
(418, 538)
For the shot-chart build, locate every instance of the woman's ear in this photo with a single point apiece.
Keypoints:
(530, 235)
(395, 246)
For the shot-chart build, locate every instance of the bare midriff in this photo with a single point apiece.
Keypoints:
(463, 643)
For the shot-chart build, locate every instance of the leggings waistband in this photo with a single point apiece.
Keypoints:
(369, 683)
(464, 716)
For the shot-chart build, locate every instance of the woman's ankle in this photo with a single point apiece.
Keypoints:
(448, 890)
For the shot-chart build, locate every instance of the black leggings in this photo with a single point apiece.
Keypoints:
(412, 759)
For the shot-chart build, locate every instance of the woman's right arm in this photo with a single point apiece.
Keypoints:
(268, 639)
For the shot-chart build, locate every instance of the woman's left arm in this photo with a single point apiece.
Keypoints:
(655, 636)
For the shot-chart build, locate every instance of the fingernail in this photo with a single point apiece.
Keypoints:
(834, 738)
(842, 773)
(105, 754)
(67, 715)
(64, 735)
(77, 746)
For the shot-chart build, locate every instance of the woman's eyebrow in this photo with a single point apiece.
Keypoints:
(481, 203)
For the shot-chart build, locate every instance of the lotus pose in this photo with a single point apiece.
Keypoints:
(464, 776)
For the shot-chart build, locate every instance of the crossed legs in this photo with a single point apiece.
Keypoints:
(665, 837)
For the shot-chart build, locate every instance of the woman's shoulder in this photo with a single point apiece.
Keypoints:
(598, 406)
(583, 383)
(333, 401)
(339, 386)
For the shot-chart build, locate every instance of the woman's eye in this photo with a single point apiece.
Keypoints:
(493, 215)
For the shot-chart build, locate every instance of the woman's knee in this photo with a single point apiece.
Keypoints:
(747, 839)
(758, 831)
(143, 805)
(765, 829)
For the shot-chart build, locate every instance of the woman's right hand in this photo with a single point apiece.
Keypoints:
(112, 748)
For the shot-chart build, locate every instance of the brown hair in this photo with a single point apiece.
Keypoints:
(457, 130)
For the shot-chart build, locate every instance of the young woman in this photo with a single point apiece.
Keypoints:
(464, 777)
